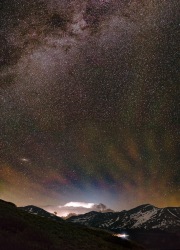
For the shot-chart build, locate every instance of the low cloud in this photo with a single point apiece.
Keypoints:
(76, 208)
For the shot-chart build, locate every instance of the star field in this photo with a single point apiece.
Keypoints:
(89, 102)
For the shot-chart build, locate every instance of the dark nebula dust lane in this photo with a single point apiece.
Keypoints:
(89, 102)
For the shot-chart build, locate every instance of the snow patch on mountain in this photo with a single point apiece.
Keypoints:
(142, 218)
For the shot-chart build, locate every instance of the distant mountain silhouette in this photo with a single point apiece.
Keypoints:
(41, 212)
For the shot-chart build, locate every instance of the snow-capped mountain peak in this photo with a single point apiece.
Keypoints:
(142, 217)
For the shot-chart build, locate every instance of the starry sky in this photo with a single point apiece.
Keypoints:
(89, 102)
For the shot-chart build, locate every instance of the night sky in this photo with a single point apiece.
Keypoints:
(89, 102)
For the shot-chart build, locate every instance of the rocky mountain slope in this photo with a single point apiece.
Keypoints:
(145, 217)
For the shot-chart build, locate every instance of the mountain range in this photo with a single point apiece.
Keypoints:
(154, 228)
(146, 217)
(32, 228)
(147, 227)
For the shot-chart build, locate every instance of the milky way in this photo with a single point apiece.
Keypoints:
(89, 102)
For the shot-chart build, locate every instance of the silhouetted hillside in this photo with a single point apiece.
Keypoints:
(20, 230)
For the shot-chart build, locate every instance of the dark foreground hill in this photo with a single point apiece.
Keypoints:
(20, 230)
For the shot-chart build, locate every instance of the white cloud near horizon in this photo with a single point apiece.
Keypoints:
(76, 208)
(79, 204)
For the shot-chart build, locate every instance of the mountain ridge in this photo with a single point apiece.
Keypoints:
(40, 212)
(144, 216)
